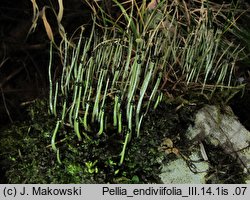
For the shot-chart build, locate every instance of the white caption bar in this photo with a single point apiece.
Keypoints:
(120, 191)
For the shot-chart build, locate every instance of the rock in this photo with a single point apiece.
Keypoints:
(178, 172)
(225, 130)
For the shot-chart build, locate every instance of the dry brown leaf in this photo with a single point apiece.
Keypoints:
(168, 151)
(35, 16)
(60, 12)
(167, 142)
(46, 24)
(152, 5)
(175, 151)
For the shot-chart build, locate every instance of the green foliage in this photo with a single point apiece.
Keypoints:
(27, 156)
(112, 77)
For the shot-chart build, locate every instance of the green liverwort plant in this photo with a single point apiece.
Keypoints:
(116, 74)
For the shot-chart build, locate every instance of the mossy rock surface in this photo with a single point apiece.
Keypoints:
(27, 156)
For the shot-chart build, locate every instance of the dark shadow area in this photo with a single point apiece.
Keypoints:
(24, 57)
